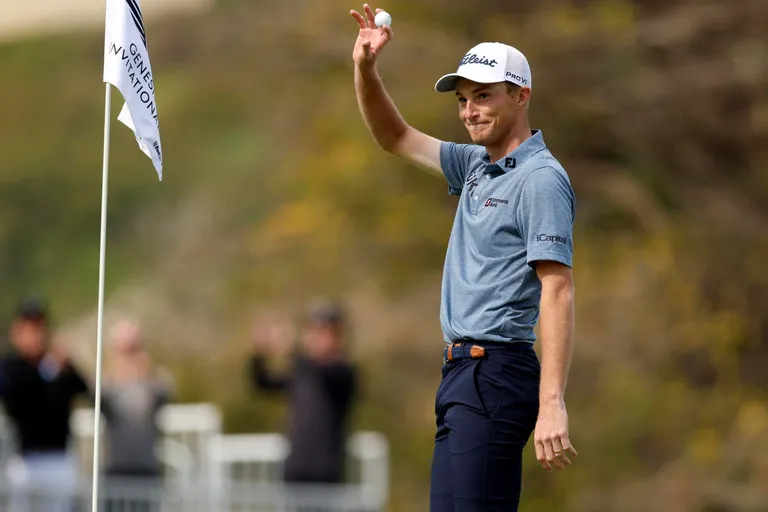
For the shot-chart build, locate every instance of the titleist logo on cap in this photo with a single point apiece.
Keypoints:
(472, 58)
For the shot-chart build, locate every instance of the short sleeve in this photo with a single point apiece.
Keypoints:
(545, 215)
(455, 160)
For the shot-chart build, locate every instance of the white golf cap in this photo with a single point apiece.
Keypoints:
(489, 63)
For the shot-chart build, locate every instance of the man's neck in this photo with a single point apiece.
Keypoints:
(30, 359)
(519, 134)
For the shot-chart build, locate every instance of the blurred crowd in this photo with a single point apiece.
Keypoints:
(41, 384)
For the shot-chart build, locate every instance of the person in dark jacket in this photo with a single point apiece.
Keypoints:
(321, 385)
(38, 385)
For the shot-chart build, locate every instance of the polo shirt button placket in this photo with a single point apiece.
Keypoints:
(480, 187)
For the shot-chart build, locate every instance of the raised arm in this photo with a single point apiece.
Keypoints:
(263, 378)
(386, 125)
(272, 334)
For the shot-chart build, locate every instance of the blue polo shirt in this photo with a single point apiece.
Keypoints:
(510, 215)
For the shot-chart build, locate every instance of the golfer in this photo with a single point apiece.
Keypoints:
(507, 268)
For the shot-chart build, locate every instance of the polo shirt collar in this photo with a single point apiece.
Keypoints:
(521, 153)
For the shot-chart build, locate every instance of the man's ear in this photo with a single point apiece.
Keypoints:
(523, 96)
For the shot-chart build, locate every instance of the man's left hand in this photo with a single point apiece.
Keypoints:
(551, 436)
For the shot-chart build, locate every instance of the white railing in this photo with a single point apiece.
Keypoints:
(247, 459)
(133, 497)
(371, 449)
(187, 430)
(211, 471)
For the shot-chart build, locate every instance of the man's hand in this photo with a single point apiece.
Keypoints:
(371, 39)
(272, 333)
(551, 436)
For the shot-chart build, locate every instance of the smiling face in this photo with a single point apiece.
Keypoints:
(490, 112)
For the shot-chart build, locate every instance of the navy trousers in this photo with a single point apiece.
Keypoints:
(486, 410)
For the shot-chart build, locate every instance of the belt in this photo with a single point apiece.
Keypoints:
(457, 351)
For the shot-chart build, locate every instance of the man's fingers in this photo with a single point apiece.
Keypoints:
(369, 15)
(568, 447)
(359, 18)
(560, 453)
(551, 459)
(379, 10)
(541, 456)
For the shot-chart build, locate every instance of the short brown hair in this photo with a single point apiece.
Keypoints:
(512, 88)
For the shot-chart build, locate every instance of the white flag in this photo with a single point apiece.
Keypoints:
(126, 66)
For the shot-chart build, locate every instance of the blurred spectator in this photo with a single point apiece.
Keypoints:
(38, 384)
(321, 386)
(134, 390)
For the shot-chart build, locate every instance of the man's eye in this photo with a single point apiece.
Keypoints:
(462, 100)
(482, 96)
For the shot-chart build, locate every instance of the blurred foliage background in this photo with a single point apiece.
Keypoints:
(274, 193)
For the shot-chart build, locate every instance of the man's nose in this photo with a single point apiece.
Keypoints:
(470, 110)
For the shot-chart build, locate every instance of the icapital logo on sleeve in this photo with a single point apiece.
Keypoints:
(551, 238)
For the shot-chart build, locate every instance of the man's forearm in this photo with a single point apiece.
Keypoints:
(557, 324)
(377, 108)
(262, 378)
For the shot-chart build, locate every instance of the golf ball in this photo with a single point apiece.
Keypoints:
(383, 18)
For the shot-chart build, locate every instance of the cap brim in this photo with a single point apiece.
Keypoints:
(448, 82)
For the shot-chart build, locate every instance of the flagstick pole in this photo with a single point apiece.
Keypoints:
(100, 320)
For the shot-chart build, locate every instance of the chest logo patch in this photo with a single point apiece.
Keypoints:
(492, 202)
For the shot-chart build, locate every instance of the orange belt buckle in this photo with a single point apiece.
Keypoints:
(476, 352)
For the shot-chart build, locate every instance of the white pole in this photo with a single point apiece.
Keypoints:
(100, 321)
